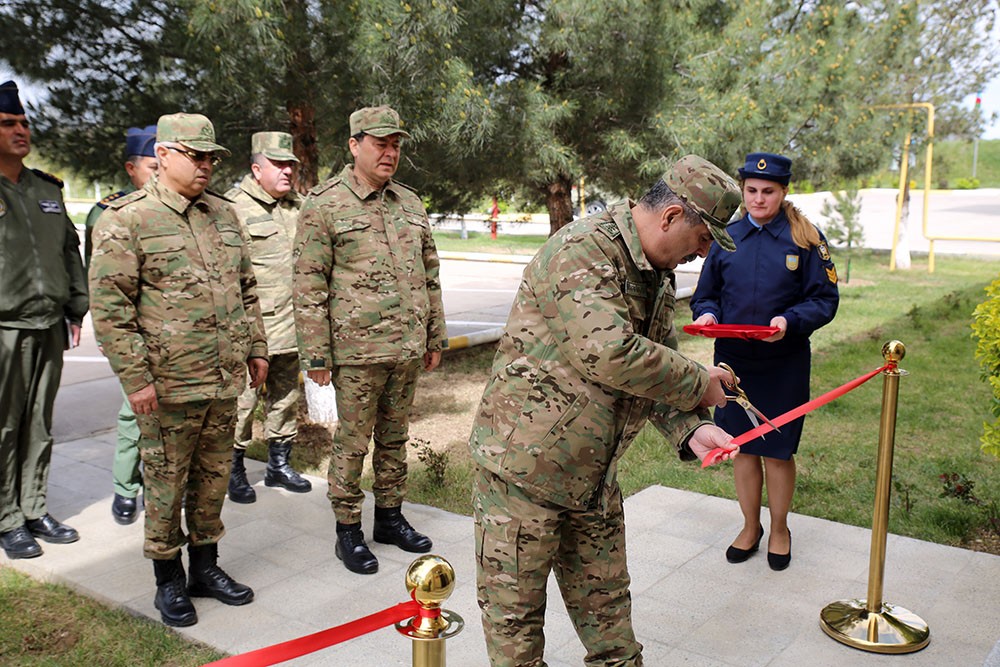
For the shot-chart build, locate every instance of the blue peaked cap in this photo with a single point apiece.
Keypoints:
(140, 141)
(767, 166)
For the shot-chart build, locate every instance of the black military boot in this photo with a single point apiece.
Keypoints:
(279, 473)
(351, 549)
(171, 595)
(391, 527)
(208, 580)
(240, 490)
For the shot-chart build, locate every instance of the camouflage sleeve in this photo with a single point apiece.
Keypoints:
(78, 303)
(676, 426)
(311, 287)
(579, 293)
(436, 328)
(114, 291)
(251, 303)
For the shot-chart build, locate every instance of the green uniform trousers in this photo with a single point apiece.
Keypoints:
(519, 540)
(281, 402)
(31, 362)
(372, 400)
(187, 451)
(125, 467)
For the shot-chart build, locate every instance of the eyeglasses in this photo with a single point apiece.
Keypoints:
(197, 156)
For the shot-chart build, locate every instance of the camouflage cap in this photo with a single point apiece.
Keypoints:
(377, 121)
(709, 191)
(191, 130)
(273, 145)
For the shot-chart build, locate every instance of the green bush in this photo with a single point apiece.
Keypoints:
(966, 183)
(986, 328)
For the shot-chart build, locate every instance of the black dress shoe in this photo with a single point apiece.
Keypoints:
(123, 509)
(351, 549)
(779, 562)
(50, 530)
(737, 555)
(391, 527)
(19, 543)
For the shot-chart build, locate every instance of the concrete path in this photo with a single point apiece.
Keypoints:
(690, 606)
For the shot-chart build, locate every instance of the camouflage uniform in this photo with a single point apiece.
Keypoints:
(587, 357)
(176, 307)
(42, 285)
(270, 224)
(368, 306)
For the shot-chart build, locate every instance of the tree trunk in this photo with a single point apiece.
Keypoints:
(559, 202)
(302, 124)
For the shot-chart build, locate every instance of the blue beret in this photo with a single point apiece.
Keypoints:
(9, 100)
(767, 166)
(140, 140)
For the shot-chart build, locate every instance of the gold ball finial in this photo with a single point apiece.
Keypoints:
(893, 351)
(430, 580)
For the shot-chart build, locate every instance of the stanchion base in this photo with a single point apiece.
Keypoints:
(891, 630)
(452, 624)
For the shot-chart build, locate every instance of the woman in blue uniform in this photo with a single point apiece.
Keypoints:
(781, 275)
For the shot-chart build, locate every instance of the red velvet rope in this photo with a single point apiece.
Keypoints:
(713, 456)
(293, 648)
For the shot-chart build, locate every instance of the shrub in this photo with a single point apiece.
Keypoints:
(986, 328)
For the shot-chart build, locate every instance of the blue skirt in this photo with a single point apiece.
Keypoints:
(774, 386)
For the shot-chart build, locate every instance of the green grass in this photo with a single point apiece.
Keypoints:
(48, 624)
(504, 244)
(952, 161)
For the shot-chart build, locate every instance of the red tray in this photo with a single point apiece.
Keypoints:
(745, 331)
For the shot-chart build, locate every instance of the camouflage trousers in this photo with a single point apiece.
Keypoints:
(518, 542)
(281, 402)
(372, 400)
(186, 451)
(31, 363)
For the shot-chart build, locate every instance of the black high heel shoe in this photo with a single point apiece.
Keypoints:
(779, 562)
(737, 555)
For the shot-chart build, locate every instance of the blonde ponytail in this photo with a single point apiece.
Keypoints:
(804, 233)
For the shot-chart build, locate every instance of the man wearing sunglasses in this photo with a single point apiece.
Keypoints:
(43, 298)
(177, 315)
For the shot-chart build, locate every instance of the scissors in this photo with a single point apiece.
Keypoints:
(744, 402)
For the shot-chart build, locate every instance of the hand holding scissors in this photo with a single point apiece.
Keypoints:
(744, 402)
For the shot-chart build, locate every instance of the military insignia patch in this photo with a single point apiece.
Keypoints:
(3, 208)
(831, 273)
(49, 206)
(762, 164)
(824, 252)
(635, 289)
(792, 262)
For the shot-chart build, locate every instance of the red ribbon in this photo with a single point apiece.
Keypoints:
(293, 648)
(713, 456)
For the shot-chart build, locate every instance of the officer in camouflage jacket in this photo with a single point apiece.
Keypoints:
(368, 313)
(175, 309)
(587, 357)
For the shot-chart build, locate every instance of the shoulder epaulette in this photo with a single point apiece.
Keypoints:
(323, 187)
(48, 177)
(121, 202)
(110, 198)
(405, 186)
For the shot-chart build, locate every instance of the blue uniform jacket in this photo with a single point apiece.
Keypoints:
(768, 275)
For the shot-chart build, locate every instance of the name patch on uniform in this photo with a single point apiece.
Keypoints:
(635, 289)
(824, 252)
(792, 262)
(3, 208)
(49, 206)
(831, 273)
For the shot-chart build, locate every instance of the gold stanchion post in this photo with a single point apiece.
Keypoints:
(872, 624)
(430, 580)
